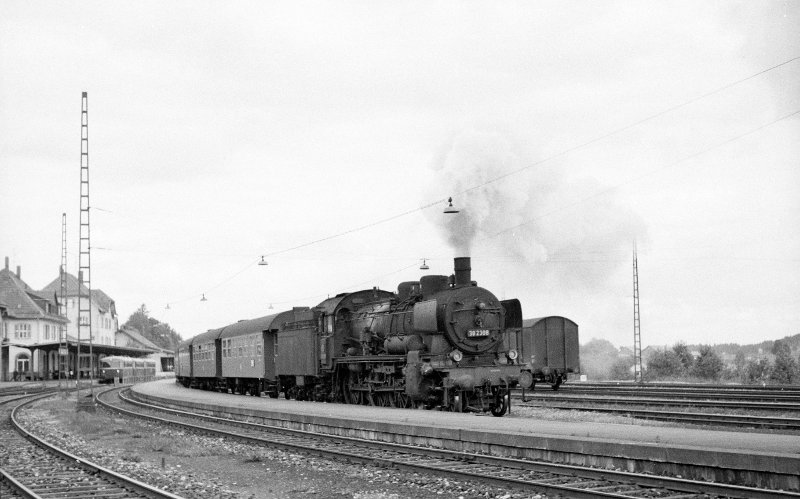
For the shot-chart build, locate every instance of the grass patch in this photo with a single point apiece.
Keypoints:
(185, 448)
(253, 458)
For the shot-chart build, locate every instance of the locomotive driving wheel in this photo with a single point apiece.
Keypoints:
(352, 396)
(500, 405)
(385, 399)
(402, 400)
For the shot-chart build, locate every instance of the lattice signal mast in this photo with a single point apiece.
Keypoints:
(637, 333)
(84, 256)
(63, 346)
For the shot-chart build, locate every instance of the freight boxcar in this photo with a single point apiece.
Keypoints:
(549, 346)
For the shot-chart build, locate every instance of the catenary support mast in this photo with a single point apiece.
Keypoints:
(637, 333)
(63, 346)
(84, 268)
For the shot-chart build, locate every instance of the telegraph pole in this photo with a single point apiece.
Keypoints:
(84, 264)
(637, 334)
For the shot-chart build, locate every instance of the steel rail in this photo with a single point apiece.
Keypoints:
(787, 391)
(106, 475)
(680, 386)
(736, 420)
(15, 486)
(637, 400)
(570, 480)
(680, 394)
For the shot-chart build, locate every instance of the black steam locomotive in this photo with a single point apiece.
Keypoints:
(440, 342)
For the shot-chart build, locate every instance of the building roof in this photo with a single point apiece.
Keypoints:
(103, 301)
(21, 302)
(137, 337)
(72, 286)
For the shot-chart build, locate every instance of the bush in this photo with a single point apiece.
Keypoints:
(785, 369)
(597, 357)
(622, 369)
(664, 364)
(757, 371)
(684, 356)
(708, 365)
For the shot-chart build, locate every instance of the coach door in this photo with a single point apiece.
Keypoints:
(269, 353)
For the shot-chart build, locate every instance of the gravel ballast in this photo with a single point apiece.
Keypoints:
(192, 465)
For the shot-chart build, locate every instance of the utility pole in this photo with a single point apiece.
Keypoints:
(63, 345)
(637, 333)
(85, 402)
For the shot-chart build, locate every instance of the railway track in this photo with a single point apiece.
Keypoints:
(788, 393)
(668, 402)
(700, 418)
(542, 477)
(739, 407)
(32, 468)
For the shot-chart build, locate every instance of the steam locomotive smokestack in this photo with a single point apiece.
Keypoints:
(463, 270)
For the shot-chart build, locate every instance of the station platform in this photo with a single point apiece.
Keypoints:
(748, 458)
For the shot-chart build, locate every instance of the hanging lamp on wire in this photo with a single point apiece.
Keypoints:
(263, 262)
(167, 307)
(270, 306)
(203, 298)
(450, 208)
(424, 265)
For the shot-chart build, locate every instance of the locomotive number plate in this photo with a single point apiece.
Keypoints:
(475, 333)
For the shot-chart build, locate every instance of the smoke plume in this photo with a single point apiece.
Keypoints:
(541, 225)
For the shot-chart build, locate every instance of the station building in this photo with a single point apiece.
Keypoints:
(30, 328)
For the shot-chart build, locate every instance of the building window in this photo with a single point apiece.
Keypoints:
(22, 331)
(47, 331)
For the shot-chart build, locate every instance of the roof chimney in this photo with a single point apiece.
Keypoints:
(19, 273)
(6, 263)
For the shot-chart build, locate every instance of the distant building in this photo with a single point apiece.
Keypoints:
(29, 318)
(103, 309)
(131, 337)
(30, 329)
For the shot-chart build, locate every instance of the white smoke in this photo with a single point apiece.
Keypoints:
(533, 219)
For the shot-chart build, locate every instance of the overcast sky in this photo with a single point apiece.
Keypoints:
(327, 137)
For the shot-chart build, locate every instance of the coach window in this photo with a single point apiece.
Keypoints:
(329, 324)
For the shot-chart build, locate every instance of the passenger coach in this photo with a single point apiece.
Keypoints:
(126, 369)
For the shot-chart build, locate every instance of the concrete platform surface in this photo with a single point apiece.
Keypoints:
(772, 444)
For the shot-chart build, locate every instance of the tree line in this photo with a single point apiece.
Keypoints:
(154, 330)
(600, 360)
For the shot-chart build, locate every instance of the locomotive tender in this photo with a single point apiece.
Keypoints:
(440, 342)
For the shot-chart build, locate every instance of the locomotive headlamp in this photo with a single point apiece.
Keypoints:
(512, 354)
(480, 306)
(456, 355)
